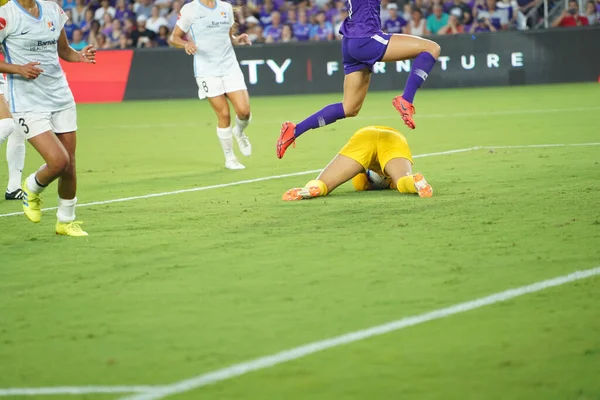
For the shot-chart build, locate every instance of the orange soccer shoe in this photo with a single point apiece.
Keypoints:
(406, 109)
(301, 193)
(424, 189)
(286, 138)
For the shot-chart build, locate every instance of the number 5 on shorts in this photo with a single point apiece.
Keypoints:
(24, 125)
(204, 87)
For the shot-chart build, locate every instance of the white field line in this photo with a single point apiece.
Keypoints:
(311, 348)
(52, 391)
(160, 392)
(360, 118)
(314, 171)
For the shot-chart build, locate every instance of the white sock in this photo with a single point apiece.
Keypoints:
(7, 126)
(33, 185)
(226, 138)
(15, 155)
(66, 210)
(241, 124)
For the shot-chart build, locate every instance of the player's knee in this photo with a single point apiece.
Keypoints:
(224, 117)
(244, 113)
(352, 110)
(434, 49)
(58, 163)
(7, 126)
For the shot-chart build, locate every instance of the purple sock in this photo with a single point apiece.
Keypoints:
(326, 116)
(421, 67)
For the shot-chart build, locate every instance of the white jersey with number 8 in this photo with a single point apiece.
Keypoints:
(27, 39)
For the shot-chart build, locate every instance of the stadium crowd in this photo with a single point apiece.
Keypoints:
(121, 24)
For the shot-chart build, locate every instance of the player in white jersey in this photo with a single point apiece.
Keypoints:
(218, 73)
(43, 107)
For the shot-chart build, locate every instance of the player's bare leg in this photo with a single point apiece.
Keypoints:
(240, 100)
(403, 179)
(356, 86)
(57, 159)
(67, 190)
(15, 151)
(224, 131)
(425, 53)
(341, 169)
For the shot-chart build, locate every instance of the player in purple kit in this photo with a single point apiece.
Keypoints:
(364, 44)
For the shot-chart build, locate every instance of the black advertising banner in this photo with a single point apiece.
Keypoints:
(491, 59)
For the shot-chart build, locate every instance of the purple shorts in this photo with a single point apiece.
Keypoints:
(362, 53)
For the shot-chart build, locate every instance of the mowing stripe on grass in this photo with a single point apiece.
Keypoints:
(160, 392)
(311, 348)
(360, 118)
(53, 391)
(314, 171)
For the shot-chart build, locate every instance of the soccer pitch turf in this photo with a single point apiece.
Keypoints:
(171, 287)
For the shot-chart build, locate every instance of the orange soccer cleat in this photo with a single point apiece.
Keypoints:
(406, 109)
(286, 138)
(301, 193)
(424, 189)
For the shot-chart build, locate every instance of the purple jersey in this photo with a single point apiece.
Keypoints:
(274, 32)
(363, 19)
(321, 32)
(302, 32)
(394, 25)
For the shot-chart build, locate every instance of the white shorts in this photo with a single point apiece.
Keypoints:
(214, 86)
(34, 123)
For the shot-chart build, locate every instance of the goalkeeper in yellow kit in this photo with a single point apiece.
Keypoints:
(375, 157)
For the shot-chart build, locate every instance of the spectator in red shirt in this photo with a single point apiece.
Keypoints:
(571, 17)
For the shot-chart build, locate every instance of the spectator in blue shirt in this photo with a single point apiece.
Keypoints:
(69, 25)
(78, 43)
(437, 19)
(302, 28)
(322, 30)
(272, 33)
(395, 23)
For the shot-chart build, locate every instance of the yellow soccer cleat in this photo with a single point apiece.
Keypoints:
(32, 204)
(70, 229)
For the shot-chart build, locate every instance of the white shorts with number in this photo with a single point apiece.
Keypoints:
(34, 123)
(214, 86)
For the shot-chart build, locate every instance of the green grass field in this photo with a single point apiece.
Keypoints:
(170, 287)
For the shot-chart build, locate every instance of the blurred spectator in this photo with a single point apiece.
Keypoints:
(302, 28)
(272, 33)
(78, 12)
(468, 21)
(142, 37)
(70, 26)
(173, 16)
(511, 7)
(251, 25)
(322, 30)
(143, 7)
(67, 4)
(266, 13)
(437, 19)
(591, 13)
(123, 11)
(105, 8)
(336, 28)
(106, 24)
(101, 42)
(291, 17)
(384, 13)
(395, 23)
(78, 43)
(155, 21)
(459, 8)
(115, 33)
(407, 12)
(416, 26)
(483, 25)
(94, 32)
(524, 20)
(453, 26)
(163, 6)
(162, 39)
(498, 18)
(128, 27)
(123, 42)
(571, 17)
(86, 24)
(287, 35)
